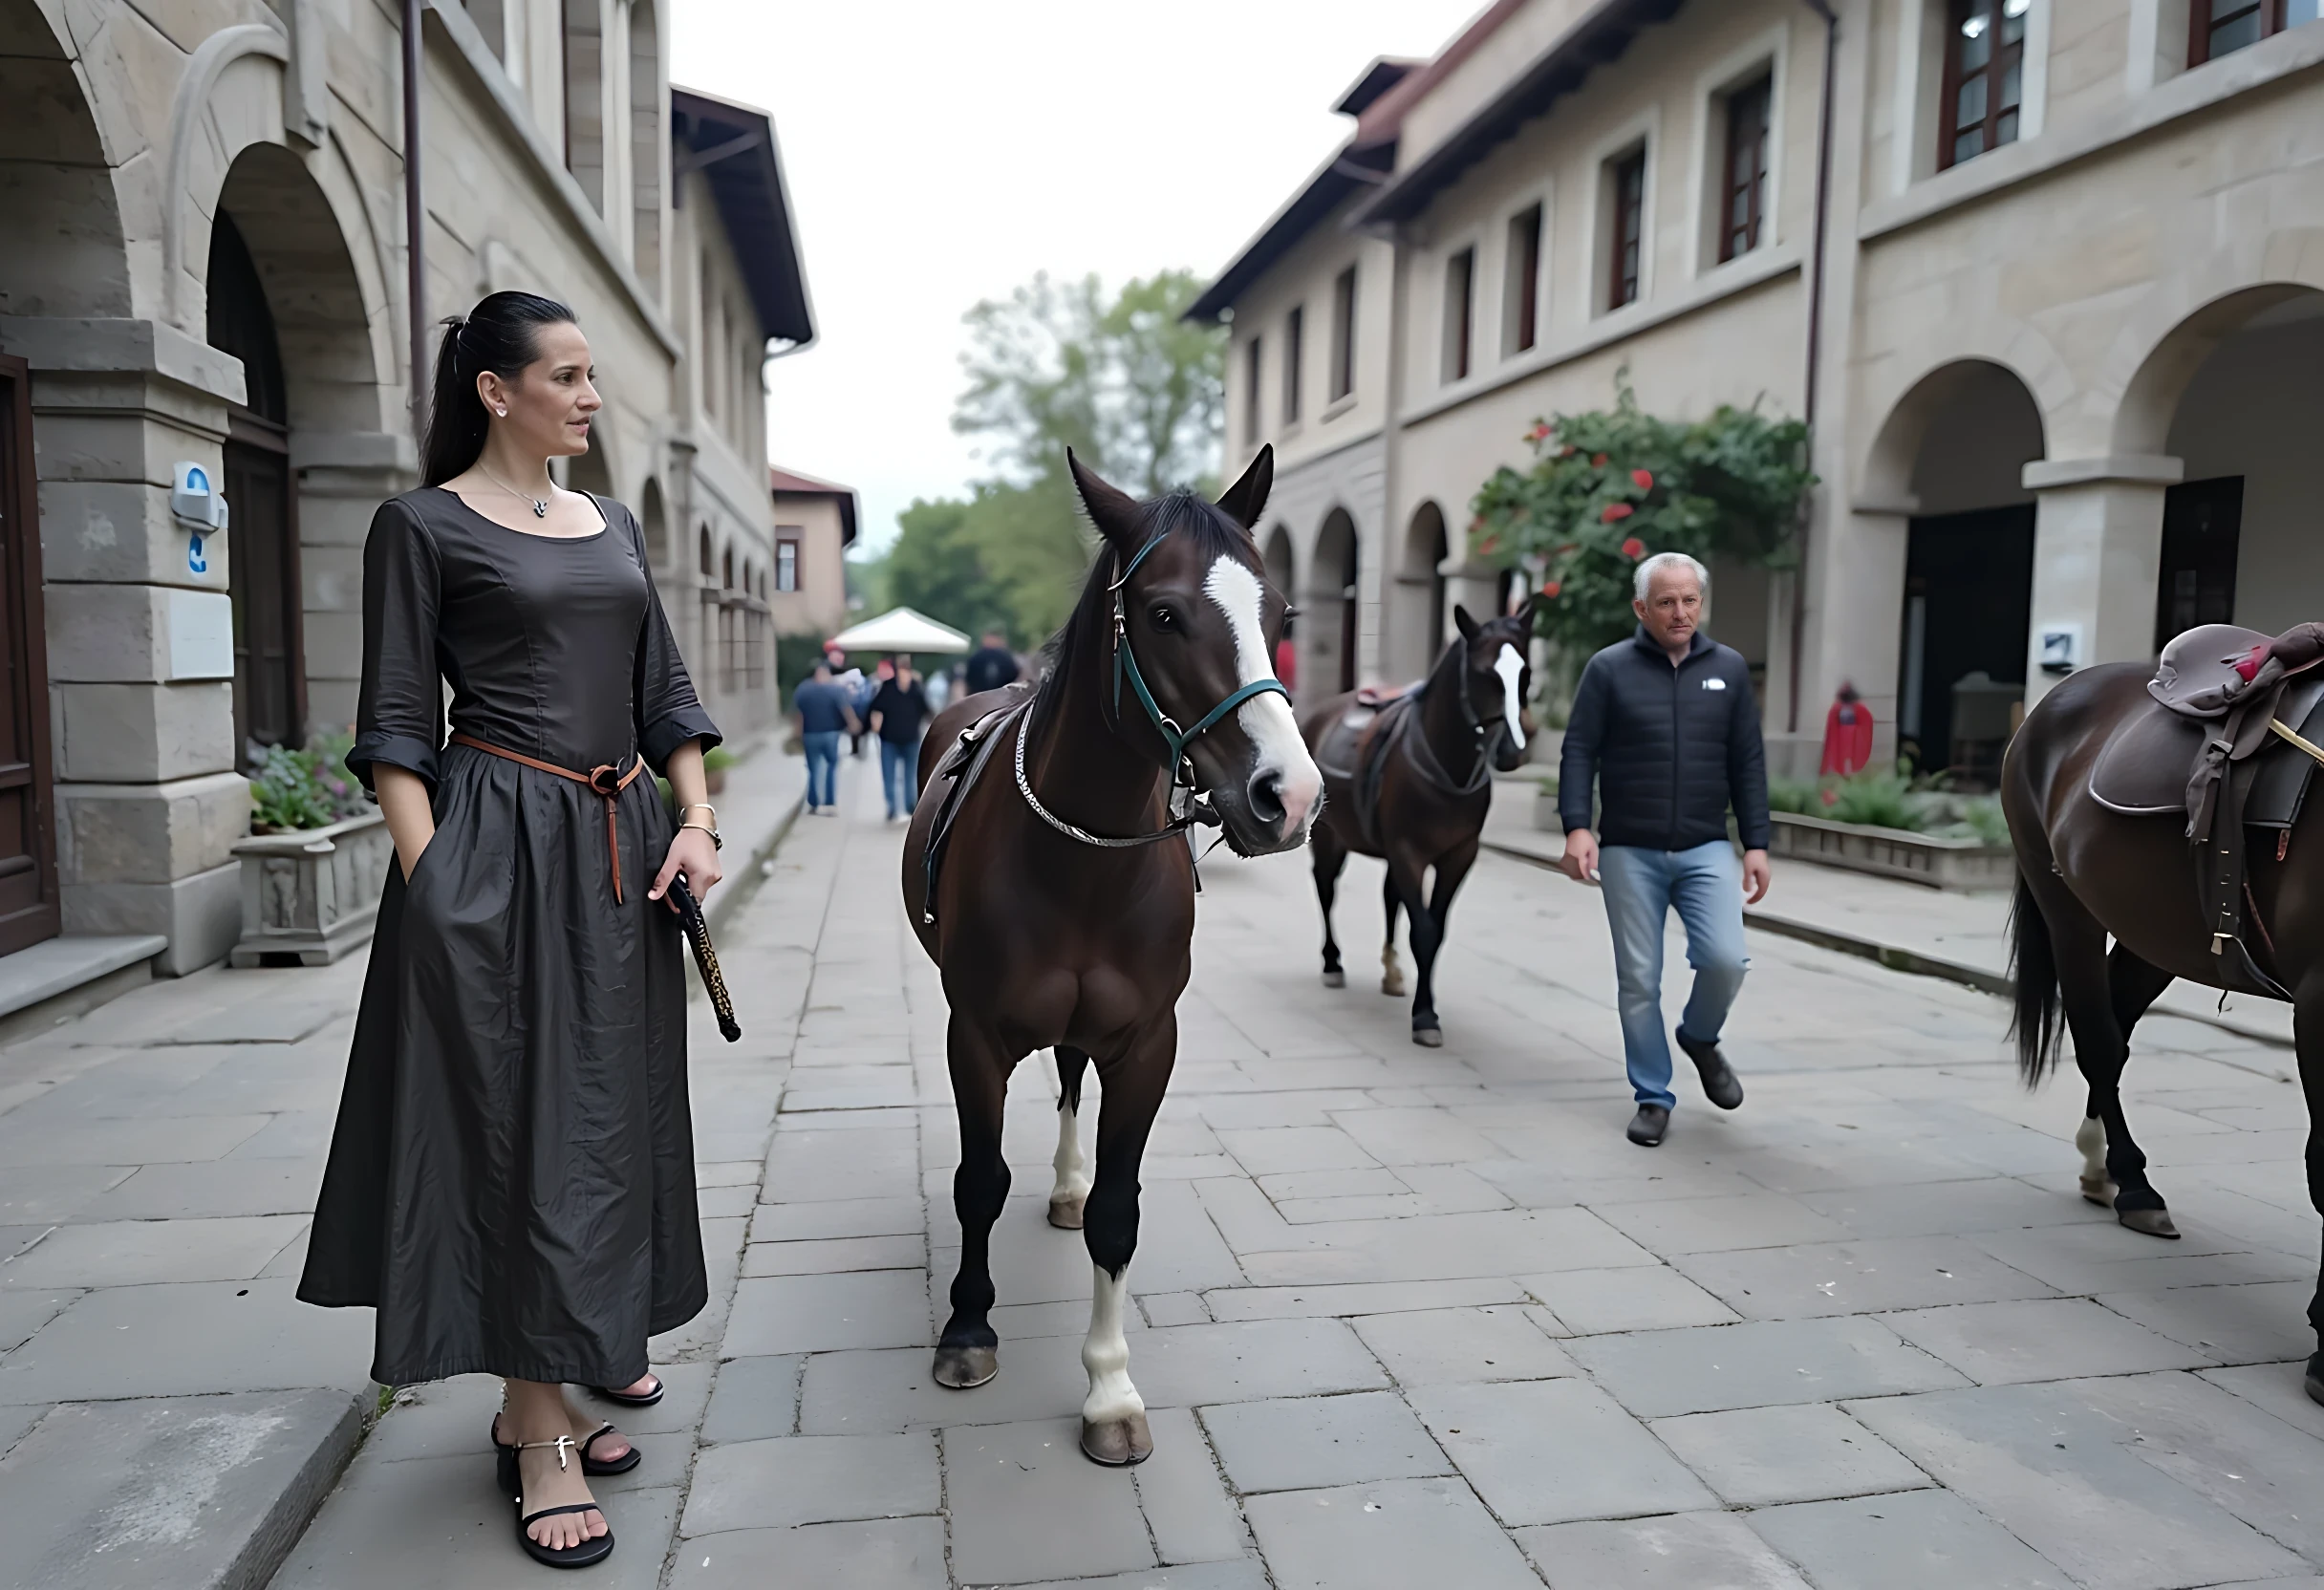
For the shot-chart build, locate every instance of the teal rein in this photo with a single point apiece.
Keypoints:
(1126, 663)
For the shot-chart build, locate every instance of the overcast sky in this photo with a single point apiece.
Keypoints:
(942, 151)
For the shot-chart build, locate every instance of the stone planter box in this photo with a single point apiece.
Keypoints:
(1892, 852)
(308, 897)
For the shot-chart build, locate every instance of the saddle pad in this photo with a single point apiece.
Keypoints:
(2144, 767)
(1336, 752)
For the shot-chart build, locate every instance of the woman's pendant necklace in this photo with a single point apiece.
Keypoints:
(538, 504)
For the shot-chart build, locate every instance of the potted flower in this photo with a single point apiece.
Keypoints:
(316, 859)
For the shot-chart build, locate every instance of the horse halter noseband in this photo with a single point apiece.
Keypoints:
(1126, 663)
(1175, 739)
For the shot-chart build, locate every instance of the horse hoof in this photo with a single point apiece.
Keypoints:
(1335, 979)
(1065, 1214)
(1118, 1443)
(1429, 1037)
(2154, 1222)
(965, 1368)
(1392, 987)
(2312, 1382)
(2099, 1191)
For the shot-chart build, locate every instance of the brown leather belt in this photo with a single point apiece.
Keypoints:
(606, 779)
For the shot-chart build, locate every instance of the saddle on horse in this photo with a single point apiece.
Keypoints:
(1355, 749)
(2223, 696)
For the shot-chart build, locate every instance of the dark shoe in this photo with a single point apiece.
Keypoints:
(645, 1399)
(512, 1481)
(589, 1552)
(1647, 1125)
(1720, 1084)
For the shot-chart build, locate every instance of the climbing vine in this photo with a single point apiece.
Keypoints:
(1611, 486)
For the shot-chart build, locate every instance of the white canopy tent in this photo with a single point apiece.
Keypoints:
(900, 629)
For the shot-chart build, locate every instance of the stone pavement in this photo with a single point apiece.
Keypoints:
(170, 1414)
(1404, 1316)
(1424, 1316)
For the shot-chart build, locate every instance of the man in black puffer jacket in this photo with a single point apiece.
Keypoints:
(1665, 724)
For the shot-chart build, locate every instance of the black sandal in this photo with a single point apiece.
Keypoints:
(512, 1482)
(627, 1401)
(589, 1552)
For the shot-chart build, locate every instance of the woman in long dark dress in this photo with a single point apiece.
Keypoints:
(511, 1177)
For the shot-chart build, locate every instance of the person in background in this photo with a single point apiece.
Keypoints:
(897, 712)
(825, 711)
(940, 691)
(1665, 725)
(993, 665)
(1287, 662)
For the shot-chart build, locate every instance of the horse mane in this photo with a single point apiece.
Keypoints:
(1084, 639)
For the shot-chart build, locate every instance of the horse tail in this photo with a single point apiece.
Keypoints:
(2035, 1024)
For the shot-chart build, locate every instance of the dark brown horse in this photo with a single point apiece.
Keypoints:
(1056, 923)
(2085, 872)
(1411, 785)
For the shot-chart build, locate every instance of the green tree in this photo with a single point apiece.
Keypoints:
(1122, 381)
(1610, 487)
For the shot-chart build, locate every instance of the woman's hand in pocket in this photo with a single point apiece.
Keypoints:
(692, 853)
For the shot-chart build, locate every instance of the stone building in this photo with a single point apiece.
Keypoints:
(206, 263)
(2046, 276)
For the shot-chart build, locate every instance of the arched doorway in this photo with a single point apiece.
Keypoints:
(283, 293)
(2233, 393)
(1416, 628)
(1281, 573)
(1330, 653)
(1952, 456)
(262, 561)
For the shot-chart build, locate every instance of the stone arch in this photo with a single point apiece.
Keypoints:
(1944, 488)
(1416, 621)
(1329, 656)
(2151, 395)
(311, 457)
(653, 519)
(1280, 561)
(62, 251)
(2019, 351)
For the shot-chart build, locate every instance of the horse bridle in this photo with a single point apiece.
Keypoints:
(1176, 741)
(1425, 758)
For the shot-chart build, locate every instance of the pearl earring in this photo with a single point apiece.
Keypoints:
(503, 412)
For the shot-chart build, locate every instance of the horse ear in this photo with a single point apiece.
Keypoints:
(1113, 512)
(1468, 624)
(1246, 499)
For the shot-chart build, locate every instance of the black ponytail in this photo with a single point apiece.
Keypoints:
(500, 334)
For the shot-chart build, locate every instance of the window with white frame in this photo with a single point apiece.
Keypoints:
(1343, 334)
(1984, 91)
(1460, 313)
(1743, 169)
(1625, 183)
(787, 556)
(1251, 376)
(1521, 285)
(1295, 355)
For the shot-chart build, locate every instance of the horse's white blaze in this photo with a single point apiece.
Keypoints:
(1072, 1181)
(1105, 1354)
(1274, 734)
(1511, 667)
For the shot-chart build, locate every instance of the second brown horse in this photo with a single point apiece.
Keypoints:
(1411, 781)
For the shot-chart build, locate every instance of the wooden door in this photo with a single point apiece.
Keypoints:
(261, 558)
(2202, 527)
(28, 844)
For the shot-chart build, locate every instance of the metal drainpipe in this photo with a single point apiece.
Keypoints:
(1815, 349)
(415, 223)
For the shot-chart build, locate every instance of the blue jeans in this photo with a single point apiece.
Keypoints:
(1640, 887)
(821, 768)
(899, 770)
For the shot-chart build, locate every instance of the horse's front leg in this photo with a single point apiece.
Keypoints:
(1427, 941)
(1072, 1190)
(1407, 875)
(1391, 975)
(968, 1352)
(1327, 859)
(1113, 1415)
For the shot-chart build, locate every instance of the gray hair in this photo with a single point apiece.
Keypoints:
(1643, 581)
